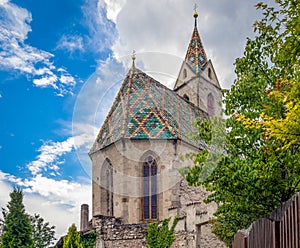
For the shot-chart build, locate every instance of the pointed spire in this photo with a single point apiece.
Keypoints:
(196, 56)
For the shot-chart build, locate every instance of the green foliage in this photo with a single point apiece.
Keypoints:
(72, 240)
(159, 235)
(17, 231)
(43, 233)
(259, 166)
(88, 240)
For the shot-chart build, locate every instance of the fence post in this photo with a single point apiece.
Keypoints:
(276, 234)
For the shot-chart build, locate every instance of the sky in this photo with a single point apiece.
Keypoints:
(61, 65)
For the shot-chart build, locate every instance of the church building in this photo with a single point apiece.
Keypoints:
(136, 156)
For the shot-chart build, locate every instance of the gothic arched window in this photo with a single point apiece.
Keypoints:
(108, 187)
(184, 73)
(210, 105)
(150, 189)
(209, 73)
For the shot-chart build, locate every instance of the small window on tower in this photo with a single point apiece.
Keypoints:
(209, 73)
(185, 97)
(184, 73)
(210, 105)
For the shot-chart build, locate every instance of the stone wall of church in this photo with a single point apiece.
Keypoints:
(126, 228)
(126, 158)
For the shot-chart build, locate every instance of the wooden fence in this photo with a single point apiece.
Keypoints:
(280, 229)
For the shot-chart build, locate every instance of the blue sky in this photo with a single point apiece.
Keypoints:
(61, 63)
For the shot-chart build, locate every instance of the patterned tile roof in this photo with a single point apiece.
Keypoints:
(146, 109)
(196, 56)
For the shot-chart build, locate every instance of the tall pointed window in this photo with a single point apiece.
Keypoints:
(210, 105)
(109, 184)
(150, 189)
(209, 73)
(184, 73)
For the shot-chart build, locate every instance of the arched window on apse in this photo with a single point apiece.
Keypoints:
(149, 189)
(210, 105)
(109, 184)
(185, 97)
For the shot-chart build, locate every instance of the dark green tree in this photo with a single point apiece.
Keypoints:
(88, 240)
(72, 240)
(159, 235)
(258, 166)
(43, 233)
(17, 231)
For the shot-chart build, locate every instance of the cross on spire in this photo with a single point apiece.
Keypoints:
(195, 14)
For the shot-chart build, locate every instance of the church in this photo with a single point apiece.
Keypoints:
(136, 156)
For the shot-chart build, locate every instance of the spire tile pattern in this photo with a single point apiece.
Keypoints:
(146, 109)
(196, 56)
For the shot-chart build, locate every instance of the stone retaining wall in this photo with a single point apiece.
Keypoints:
(112, 233)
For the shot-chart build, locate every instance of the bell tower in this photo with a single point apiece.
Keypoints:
(197, 81)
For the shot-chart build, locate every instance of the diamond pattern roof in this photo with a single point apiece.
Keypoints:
(146, 109)
(196, 56)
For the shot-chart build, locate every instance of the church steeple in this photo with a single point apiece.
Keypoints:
(196, 56)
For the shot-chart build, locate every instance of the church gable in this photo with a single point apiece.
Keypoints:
(186, 73)
(210, 74)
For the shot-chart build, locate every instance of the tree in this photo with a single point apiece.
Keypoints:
(159, 235)
(88, 240)
(17, 230)
(72, 240)
(258, 167)
(43, 233)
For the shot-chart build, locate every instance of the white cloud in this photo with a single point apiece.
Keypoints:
(113, 8)
(4, 190)
(49, 80)
(92, 104)
(166, 27)
(102, 32)
(71, 43)
(67, 79)
(50, 154)
(17, 56)
(57, 201)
